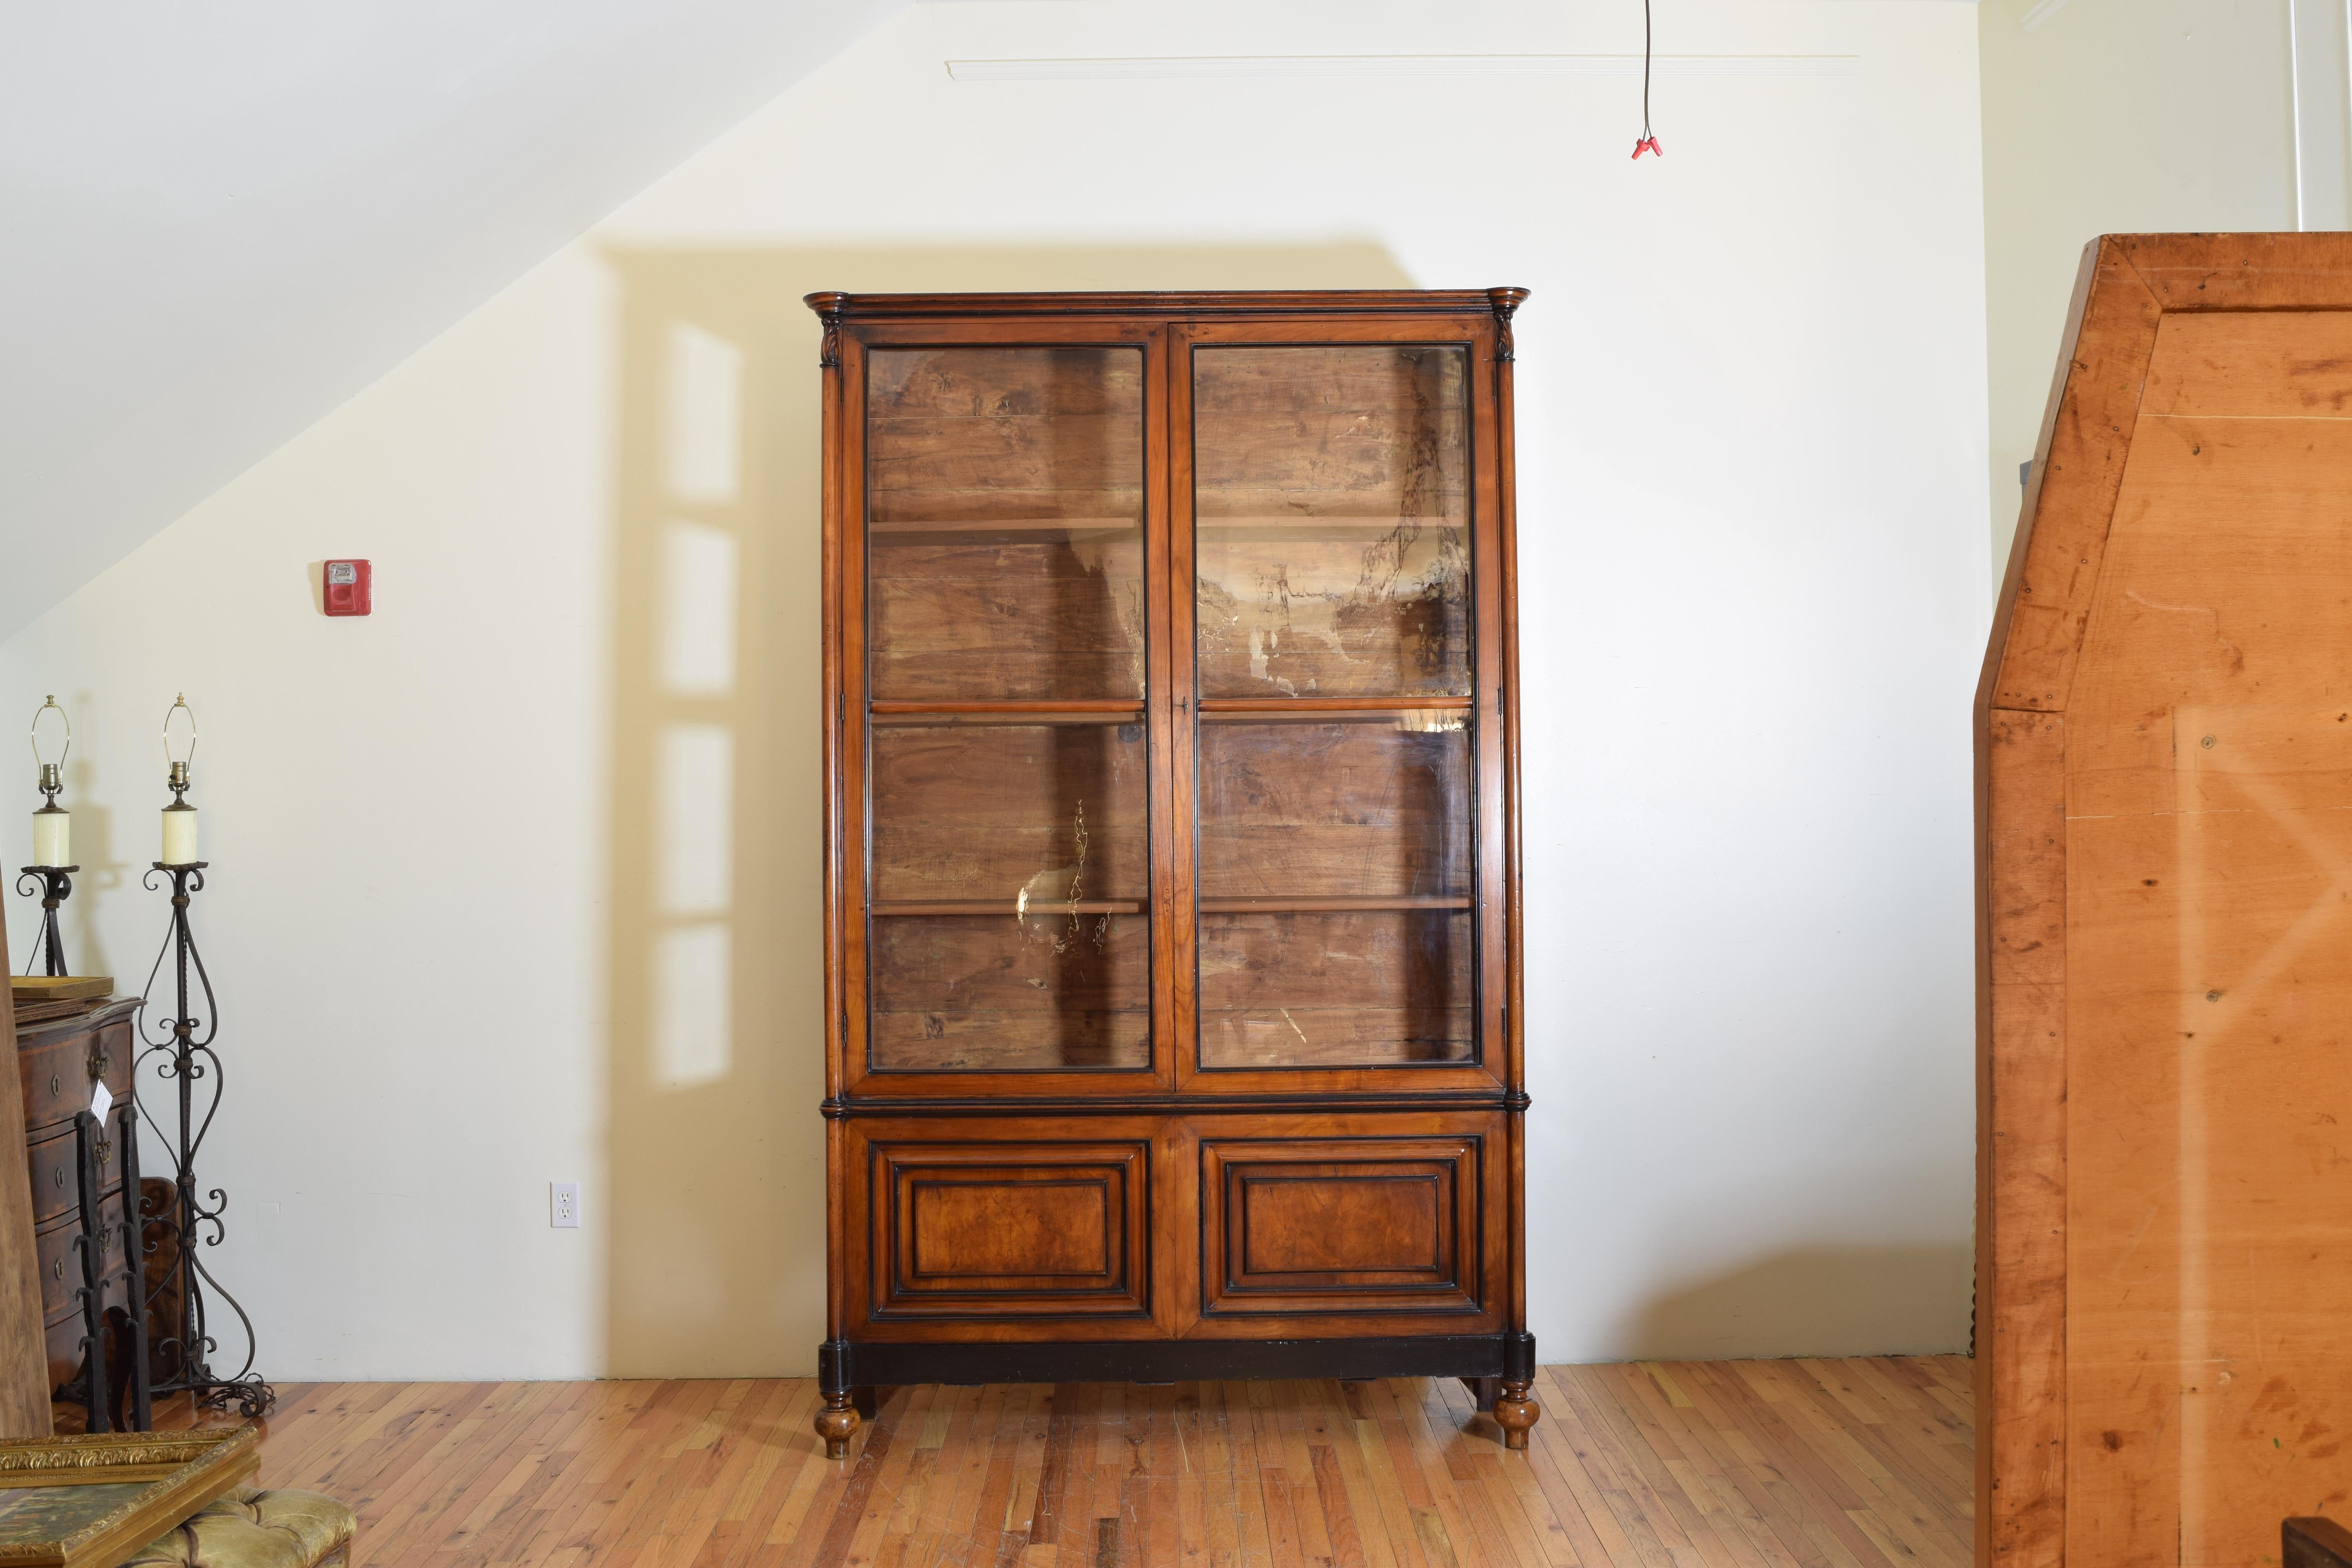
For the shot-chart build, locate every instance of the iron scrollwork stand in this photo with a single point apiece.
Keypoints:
(184, 1348)
(114, 1370)
(55, 885)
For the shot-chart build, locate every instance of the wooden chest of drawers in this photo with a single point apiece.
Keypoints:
(59, 1064)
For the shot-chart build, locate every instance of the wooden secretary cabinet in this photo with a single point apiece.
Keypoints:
(1171, 851)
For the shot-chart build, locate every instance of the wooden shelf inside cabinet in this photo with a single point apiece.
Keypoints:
(1043, 909)
(1351, 525)
(1325, 904)
(1171, 943)
(911, 714)
(899, 529)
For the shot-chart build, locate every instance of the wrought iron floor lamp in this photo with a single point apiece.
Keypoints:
(183, 1297)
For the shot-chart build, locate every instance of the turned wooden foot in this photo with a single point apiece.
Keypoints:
(1514, 1413)
(837, 1423)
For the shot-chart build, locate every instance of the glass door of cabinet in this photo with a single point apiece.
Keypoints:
(1331, 508)
(1007, 772)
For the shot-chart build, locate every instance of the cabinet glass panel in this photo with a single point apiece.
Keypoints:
(1008, 874)
(1010, 879)
(1012, 816)
(1333, 502)
(1335, 890)
(1004, 525)
(1056, 990)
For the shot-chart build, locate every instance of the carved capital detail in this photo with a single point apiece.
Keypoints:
(827, 307)
(1505, 301)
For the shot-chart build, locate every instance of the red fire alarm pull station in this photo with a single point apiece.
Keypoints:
(347, 587)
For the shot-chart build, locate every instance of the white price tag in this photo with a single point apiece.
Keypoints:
(100, 1103)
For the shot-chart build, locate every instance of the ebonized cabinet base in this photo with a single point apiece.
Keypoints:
(847, 1370)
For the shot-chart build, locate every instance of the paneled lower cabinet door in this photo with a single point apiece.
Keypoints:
(1366, 1224)
(1009, 1224)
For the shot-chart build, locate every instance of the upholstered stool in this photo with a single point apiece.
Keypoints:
(249, 1529)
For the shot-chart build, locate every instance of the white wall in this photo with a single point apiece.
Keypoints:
(222, 221)
(1752, 448)
(2134, 116)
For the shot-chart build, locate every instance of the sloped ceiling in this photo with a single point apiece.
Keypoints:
(219, 220)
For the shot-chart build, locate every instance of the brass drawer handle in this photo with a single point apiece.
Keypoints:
(98, 1064)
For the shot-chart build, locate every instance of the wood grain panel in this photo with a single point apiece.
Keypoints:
(1005, 492)
(1351, 428)
(1311, 1225)
(1010, 616)
(59, 1261)
(956, 432)
(1003, 383)
(2021, 1142)
(921, 463)
(1376, 608)
(2282, 364)
(1858, 1463)
(1348, 988)
(1342, 1220)
(2070, 498)
(2167, 879)
(1042, 1223)
(61, 1353)
(1331, 494)
(984, 1229)
(2242, 273)
(1362, 1219)
(1005, 1227)
(1023, 815)
(56, 1190)
(1001, 992)
(54, 1062)
(1358, 808)
(24, 1383)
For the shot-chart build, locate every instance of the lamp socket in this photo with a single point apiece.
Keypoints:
(563, 1204)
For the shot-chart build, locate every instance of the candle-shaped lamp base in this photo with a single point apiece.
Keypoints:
(179, 834)
(52, 836)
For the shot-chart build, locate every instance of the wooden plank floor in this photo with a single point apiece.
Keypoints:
(1828, 1464)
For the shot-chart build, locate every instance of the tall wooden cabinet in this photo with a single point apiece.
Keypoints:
(2164, 771)
(1171, 878)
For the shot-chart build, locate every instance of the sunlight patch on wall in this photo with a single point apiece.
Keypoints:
(693, 1005)
(696, 819)
(706, 392)
(700, 572)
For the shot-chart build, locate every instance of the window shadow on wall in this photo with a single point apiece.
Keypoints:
(715, 1168)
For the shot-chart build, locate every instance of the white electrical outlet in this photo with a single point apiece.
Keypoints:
(563, 1199)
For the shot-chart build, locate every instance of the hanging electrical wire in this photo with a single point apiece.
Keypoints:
(1649, 141)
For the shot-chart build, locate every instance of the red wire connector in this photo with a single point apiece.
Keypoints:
(1647, 145)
